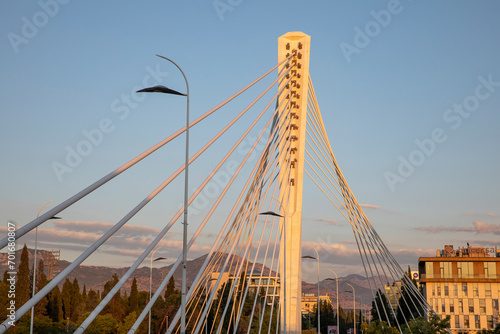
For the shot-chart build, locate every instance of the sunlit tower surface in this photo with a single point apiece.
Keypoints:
(291, 173)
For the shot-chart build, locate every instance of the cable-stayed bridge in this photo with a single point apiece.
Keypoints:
(264, 224)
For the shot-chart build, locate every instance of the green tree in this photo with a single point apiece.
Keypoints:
(84, 295)
(41, 281)
(4, 299)
(77, 300)
(133, 303)
(23, 285)
(115, 305)
(170, 287)
(103, 323)
(54, 305)
(410, 306)
(434, 325)
(378, 327)
(91, 301)
(127, 323)
(172, 299)
(381, 309)
(71, 298)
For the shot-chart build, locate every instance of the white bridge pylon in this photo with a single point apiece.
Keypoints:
(291, 175)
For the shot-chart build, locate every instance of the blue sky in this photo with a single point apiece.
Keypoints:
(383, 83)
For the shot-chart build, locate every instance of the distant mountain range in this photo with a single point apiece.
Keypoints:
(94, 277)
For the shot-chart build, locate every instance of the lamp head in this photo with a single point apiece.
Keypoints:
(160, 89)
(270, 213)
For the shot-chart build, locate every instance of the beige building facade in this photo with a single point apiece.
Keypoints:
(310, 302)
(463, 283)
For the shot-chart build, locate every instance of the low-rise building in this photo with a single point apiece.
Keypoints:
(463, 283)
(310, 302)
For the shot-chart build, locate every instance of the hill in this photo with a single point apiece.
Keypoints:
(94, 277)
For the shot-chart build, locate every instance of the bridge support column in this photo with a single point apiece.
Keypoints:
(291, 176)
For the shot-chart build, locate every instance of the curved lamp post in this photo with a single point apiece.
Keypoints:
(354, 303)
(271, 213)
(151, 281)
(362, 307)
(34, 266)
(206, 299)
(337, 281)
(165, 90)
(317, 260)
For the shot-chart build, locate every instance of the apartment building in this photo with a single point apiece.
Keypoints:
(463, 283)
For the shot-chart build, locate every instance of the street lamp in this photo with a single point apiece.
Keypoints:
(362, 307)
(317, 260)
(206, 300)
(163, 89)
(151, 282)
(34, 266)
(354, 304)
(336, 279)
(271, 213)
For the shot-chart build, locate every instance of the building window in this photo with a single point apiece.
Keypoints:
(482, 306)
(487, 290)
(446, 290)
(464, 289)
(439, 290)
(470, 269)
(460, 306)
(448, 272)
(443, 306)
(455, 288)
(457, 321)
(476, 290)
(471, 306)
(494, 304)
(433, 289)
(476, 320)
(466, 321)
(452, 306)
(490, 270)
(489, 319)
(429, 270)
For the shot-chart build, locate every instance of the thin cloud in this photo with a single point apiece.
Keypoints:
(80, 235)
(101, 227)
(334, 253)
(479, 227)
(370, 206)
(441, 229)
(481, 242)
(412, 253)
(485, 228)
(374, 207)
(331, 221)
(481, 214)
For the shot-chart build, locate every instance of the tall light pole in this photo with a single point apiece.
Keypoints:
(163, 89)
(271, 213)
(362, 307)
(206, 299)
(354, 307)
(317, 260)
(34, 267)
(337, 280)
(151, 282)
